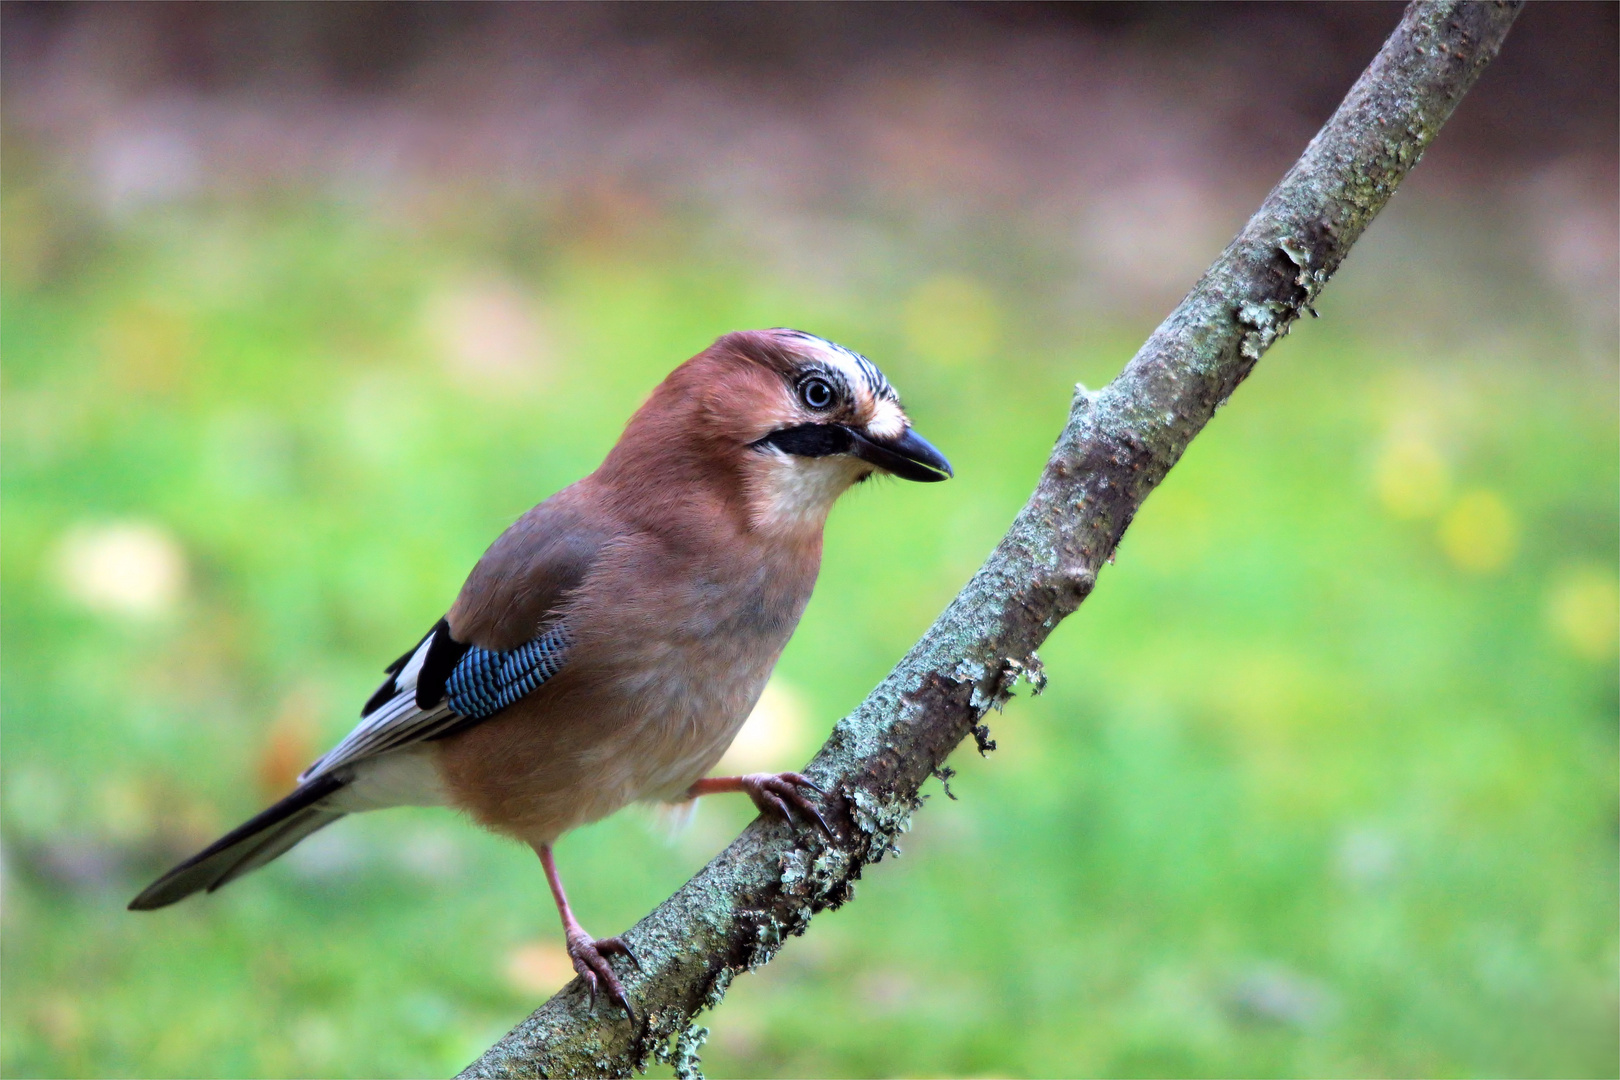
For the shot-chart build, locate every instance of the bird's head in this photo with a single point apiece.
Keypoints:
(826, 420)
(795, 419)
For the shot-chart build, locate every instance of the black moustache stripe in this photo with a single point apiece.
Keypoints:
(810, 440)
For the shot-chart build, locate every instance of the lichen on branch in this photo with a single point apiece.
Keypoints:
(1116, 447)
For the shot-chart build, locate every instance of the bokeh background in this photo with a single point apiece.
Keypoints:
(304, 303)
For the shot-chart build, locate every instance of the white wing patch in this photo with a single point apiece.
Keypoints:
(406, 679)
(479, 684)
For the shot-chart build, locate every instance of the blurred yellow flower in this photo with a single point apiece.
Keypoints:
(131, 568)
(1411, 478)
(1480, 532)
(147, 348)
(1583, 610)
(61, 1021)
(125, 808)
(952, 320)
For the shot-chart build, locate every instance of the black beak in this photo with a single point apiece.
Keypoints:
(910, 457)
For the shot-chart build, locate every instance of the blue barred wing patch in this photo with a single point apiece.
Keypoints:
(485, 681)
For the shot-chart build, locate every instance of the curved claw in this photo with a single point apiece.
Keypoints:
(617, 946)
(590, 982)
(800, 780)
(779, 794)
(590, 961)
(773, 802)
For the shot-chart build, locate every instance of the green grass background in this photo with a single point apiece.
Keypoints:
(1306, 795)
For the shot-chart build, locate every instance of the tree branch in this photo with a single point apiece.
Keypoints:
(1117, 446)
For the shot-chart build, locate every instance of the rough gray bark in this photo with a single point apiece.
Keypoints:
(1117, 446)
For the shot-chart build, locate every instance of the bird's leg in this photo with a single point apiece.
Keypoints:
(773, 793)
(588, 954)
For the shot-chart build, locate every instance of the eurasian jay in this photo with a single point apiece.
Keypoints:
(609, 645)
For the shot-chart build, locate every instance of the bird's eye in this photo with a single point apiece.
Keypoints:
(816, 393)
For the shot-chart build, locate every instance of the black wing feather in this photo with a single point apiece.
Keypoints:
(442, 657)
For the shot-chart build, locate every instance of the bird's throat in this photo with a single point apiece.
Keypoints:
(788, 493)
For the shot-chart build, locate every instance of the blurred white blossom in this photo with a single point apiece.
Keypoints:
(134, 569)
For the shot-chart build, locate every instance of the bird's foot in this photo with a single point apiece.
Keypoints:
(590, 960)
(779, 794)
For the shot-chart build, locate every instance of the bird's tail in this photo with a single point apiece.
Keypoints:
(249, 846)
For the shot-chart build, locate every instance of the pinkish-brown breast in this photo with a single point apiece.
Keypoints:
(674, 641)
